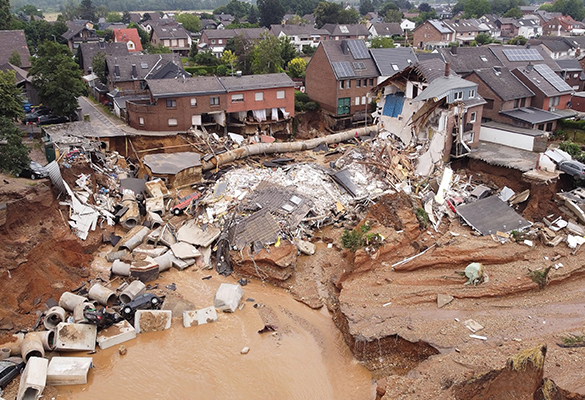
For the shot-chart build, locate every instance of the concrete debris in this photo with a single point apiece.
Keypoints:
(305, 247)
(474, 273)
(245, 350)
(195, 235)
(118, 333)
(68, 370)
(472, 325)
(443, 300)
(75, 337)
(183, 250)
(199, 317)
(33, 379)
(152, 320)
(228, 297)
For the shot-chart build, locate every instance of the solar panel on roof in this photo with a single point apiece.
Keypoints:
(359, 65)
(522, 55)
(342, 69)
(552, 78)
(358, 49)
(343, 29)
(143, 65)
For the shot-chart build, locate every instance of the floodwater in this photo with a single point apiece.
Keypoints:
(306, 359)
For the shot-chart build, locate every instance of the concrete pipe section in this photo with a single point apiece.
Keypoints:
(134, 289)
(121, 268)
(15, 344)
(165, 261)
(54, 316)
(78, 316)
(4, 353)
(102, 295)
(68, 301)
(131, 218)
(32, 346)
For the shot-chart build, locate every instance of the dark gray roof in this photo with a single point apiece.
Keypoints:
(334, 50)
(11, 41)
(546, 59)
(346, 29)
(554, 43)
(252, 82)
(570, 65)
(298, 30)
(200, 85)
(170, 31)
(528, 22)
(467, 59)
(441, 86)
(20, 74)
(248, 33)
(432, 69)
(576, 41)
(547, 16)
(89, 51)
(504, 83)
(386, 59)
(76, 26)
(388, 28)
(428, 56)
(147, 65)
(463, 25)
(531, 115)
(537, 75)
(171, 163)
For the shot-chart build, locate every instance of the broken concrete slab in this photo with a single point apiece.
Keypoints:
(472, 325)
(146, 270)
(156, 188)
(443, 300)
(506, 193)
(177, 305)
(118, 333)
(575, 229)
(133, 238)
(150, 250)
(179, 264)
(199, 317)
(195, 235)
(155, 205)
(491, 215)
(575, 209)
(68, 370)
(228, 297)
(121, 268)
(185, 250)
(305, 247)
(72, 337)
(33, 379)
(206, 257)
(152, 320)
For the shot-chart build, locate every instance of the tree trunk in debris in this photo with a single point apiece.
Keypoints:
(284, 147)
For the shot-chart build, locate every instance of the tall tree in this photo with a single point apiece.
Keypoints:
(242, 48)
(57, 78)
(393, 16)
(98, 64)
(296, 68)
(476, 8)
(327, 13)
(380, 42)
(87, 10)
(271, 12)
(10, 96)
(253, 15)
(5, 15)
(126, 17)
(366, 6)
(424, 7)
(191, 22)
(267, 56)
(14, 154)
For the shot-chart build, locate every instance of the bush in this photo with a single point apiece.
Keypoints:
(572, 148)
(423, 217)
(311, 106)
(302, 97)
(572, 124)
(299, 106)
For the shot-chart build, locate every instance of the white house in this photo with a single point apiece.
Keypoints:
(407, 25)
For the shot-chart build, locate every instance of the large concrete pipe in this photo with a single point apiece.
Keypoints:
(117, 255)
(32, 346)
(68, 300)
(54, 316)
(132, 290)
(102, 295)
(131, 218)
(165, 261)
(284, 147)
(121, 268)
(4, 353)
(78, 316)
(133, 238)
(14, 344)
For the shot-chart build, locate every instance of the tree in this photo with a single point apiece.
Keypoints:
(5, 15)
(380, 42)
(422, 17)
(113, 16)
(87, 10)
(333, 13)
(424, 7)
(518, 40)
(271, 12)
(126, 17)
(236, 8)
(15, 59)
(513, 13)
(190, 22)
(57, 78)
(206, 58)
(476, 8)
(366, 6)
(393, 16)
(98, 64)
(229, 58)
(546, 7)
(14, 154)
(387, 7)
(574, 8)
(144, 36)
(10, 96)
(483, 38)
(297, 67)
(287, 50)
(158, 49)
(266, 56)
(253, 15)
(242, 48)
(30, 10)
(194, 50)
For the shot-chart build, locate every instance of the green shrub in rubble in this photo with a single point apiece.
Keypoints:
(354, 239)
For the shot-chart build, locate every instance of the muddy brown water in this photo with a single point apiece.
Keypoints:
(305, 359)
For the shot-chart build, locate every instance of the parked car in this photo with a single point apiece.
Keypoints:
(146, 301)
(34, 171)
(35, 113)
(573, 168)
(184, 203)
(10, 368)
(51, 119)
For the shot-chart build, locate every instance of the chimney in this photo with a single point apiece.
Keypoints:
(454, 50)
(344, 47)
(134, 72)
(529, 67)
(527, 45)
(447, 69)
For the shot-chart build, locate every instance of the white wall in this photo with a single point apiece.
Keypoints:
(506, 138)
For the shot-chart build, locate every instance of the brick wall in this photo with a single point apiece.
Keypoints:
(426, 33)
(269, 100)
(320, 81)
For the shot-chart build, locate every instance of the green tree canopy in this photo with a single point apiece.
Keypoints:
(144, 36)
(15, 58)
(513, 13)
(518, 40)
(393, 16)
(14, 154)
(113, 16)
(57, 78)
(98, 64)
(253, 15)
(191, 22)
(334, 13)
(424, 16)
(242, 48)
(476, 8)
(229, 58)
(236, 8)
(546, 7)
(574, 8)
(206, 58)
(11, 97)
(87, 10)
(271, 12)
(384, 8)
(158, 49)
(5, 15)
(483, 38)
(266, 56)
(366, 6)
(424, 7)
(380, 42)
(296, 68)
(126, 17)
(29, 9)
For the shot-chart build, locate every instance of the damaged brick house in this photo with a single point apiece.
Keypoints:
(339, 77)
(242, 104)
(426, 102)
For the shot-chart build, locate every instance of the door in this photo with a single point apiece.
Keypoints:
(343, 105)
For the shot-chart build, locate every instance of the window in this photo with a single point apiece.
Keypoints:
(237, 97)
(212, 41)
(371, 82)
(541, 127)
(173, 122)
(395, 67)
(553, 101)
(280, 94)
(575, 76)
(259, 96)
(193, 102)
(516, 103)
(214, 101)
(549, 127)
(358, 83)
(364, 100)
(348, 84)
(473, 117)
(458, 96)
(220, 41)
(341, 84)
(472, 93)
(171, 103)
(357, 100)
(141, 121)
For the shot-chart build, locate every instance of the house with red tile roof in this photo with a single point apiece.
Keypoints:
(130, 37)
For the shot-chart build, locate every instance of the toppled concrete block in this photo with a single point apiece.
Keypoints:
(575, 229)
(205, 257)
(177, 305)
(443, 300)
(185, 250)
(228, 297)
(193, 234)
(33, 379)
(118, 333)
(150, 250)
(146, 270)
(199, 317)
(305, 247)
(133, 238)
(182, 264)
(156, 188)
(68, 370)
(152, 320)
(75, 337)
